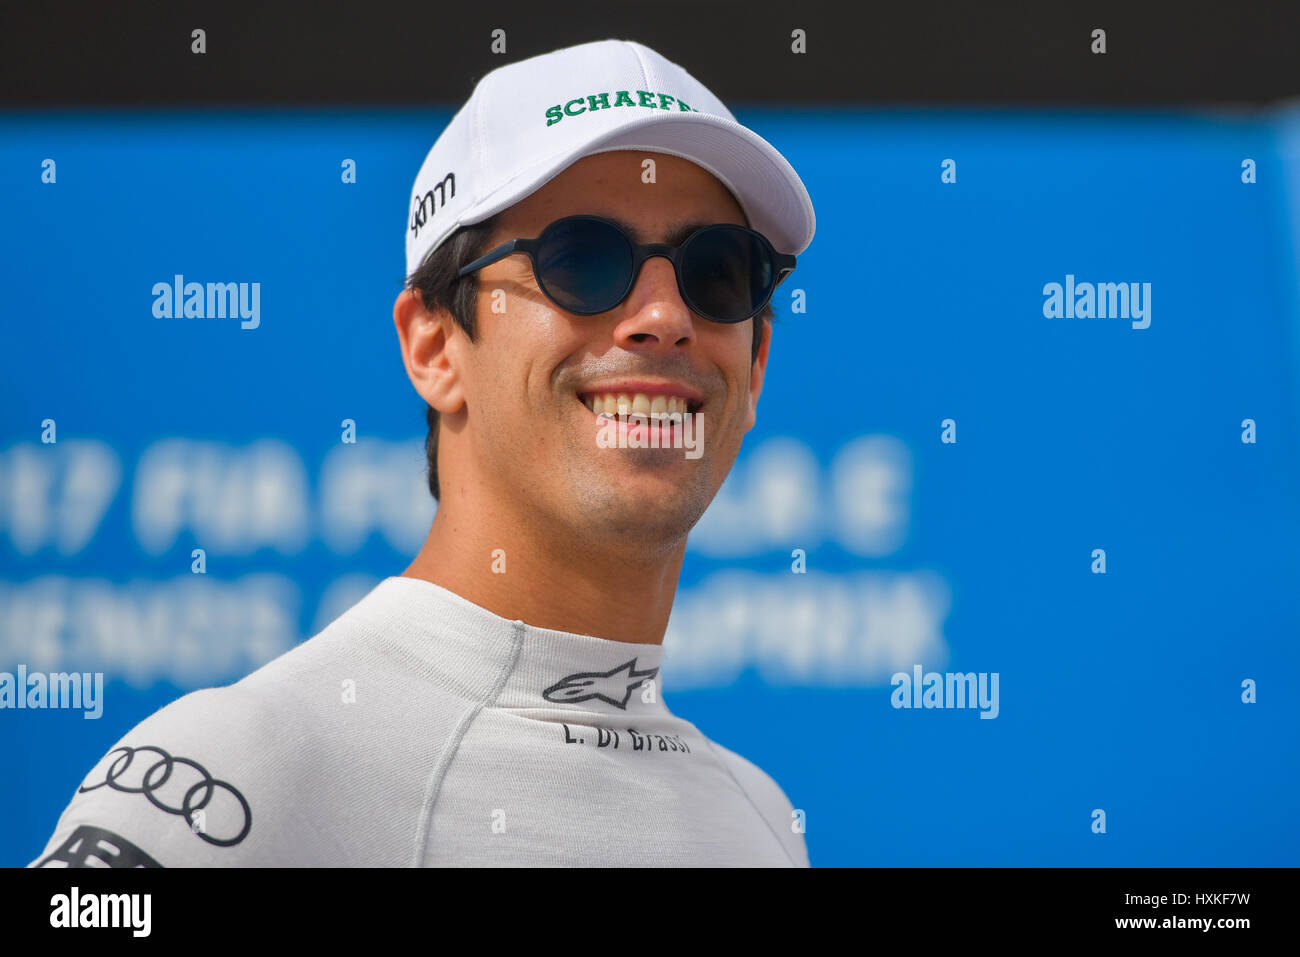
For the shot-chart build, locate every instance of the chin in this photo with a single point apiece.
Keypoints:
(649, 506)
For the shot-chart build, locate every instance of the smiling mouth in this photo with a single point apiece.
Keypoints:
(653, 407)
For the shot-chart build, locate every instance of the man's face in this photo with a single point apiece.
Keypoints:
(532, 372)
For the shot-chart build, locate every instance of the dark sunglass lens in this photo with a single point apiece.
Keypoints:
(584, 265)
(726, 273)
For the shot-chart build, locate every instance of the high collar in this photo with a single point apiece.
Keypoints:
(510, 663)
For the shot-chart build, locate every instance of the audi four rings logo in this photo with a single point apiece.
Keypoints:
(156, 775)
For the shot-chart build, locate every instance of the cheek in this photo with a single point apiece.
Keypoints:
(516, 357)
(729, 347)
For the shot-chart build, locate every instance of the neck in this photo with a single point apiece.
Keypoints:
(523, 571)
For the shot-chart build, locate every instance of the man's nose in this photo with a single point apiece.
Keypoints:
(654, 315)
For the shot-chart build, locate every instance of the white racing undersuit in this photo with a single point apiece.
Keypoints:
(420, 729)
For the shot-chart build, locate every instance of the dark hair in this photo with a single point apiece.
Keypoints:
(438, 286)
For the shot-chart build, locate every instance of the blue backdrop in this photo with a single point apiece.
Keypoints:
(925, 322)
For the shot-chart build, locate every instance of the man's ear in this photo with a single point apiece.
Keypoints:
(430, 341)
(761, 328)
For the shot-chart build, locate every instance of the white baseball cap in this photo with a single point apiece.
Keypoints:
(528, 121)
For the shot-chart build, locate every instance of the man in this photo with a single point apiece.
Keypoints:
(499, 703)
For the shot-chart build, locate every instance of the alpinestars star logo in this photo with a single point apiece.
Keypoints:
(614, 687)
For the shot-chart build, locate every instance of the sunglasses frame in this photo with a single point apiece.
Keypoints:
(782, 263)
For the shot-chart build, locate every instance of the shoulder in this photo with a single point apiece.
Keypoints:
(310, 760)
(176, 790)
(767, 796)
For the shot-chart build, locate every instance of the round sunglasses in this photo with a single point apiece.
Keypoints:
(588, 265)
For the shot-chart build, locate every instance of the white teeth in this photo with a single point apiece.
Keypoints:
(625, 403)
